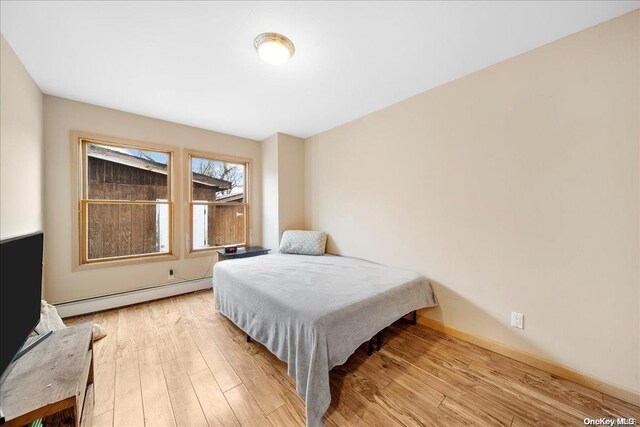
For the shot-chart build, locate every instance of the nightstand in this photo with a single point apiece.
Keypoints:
(247, 252)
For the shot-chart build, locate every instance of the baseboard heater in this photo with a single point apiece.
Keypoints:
(121, 299)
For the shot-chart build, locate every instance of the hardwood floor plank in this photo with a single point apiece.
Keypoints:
(584, 400)
(406, 347)
(451, 373)
(105, 348)
(295, 406)
(159, 310)
(491, 368)
(245, 407)
(146, 338)
(212, 376)
(180, 302)
(545, 402)
(166, 344)
(141, 315)
(441, 356)
(465, 411)
(128, 409)
(155, 396)
(238, 336)
(104, 363)
(184, 401)
(274, 370)
(522, 405)
(340, 415)
(103, 420)
(462, 381)
(180, 331)
(432, 337)
(518, 422)
(213, 403)
(432, 388)
(253, 379)
(358, 363)
(127, 332)
(285, 417)
(186, 347)
(617, 408)
(413, 404)
(364, 399)
(194, 362)
(224, 374)
(191, 321)
(202, 308)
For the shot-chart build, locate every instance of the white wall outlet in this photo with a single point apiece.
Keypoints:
(517, 320)
(171, 275)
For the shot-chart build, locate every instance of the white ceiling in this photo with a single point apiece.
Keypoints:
(194, 62)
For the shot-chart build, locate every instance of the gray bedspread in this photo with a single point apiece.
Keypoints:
(313, 312)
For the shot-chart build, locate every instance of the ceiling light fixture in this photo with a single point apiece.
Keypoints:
(274, 48)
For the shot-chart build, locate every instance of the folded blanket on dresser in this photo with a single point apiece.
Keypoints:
(313, 312)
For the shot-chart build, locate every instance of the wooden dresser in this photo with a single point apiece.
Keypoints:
(52, 382)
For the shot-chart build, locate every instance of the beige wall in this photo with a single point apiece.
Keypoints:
(20, 147)
(513, 189)
(283, 187)
(270, 206)
(291, 183)
(61, 116)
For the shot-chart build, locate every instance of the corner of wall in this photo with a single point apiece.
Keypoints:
(290, 183)
(270, 212)
(282, 186)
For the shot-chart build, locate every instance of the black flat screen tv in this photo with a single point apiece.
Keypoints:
(20, 293)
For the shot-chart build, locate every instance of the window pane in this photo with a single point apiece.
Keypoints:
(217, 181)
(119, 173)
(218, 225)
(116, 230)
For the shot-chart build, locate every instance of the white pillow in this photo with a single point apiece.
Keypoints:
(301, 242)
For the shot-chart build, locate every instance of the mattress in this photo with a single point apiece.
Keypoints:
(313, 312)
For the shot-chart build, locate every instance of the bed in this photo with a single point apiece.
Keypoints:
(313, 312)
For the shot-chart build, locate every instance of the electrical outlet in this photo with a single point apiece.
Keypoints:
(517, 320)
(171, 276)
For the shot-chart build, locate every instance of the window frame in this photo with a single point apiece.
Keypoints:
(81, 202)
(189, 202)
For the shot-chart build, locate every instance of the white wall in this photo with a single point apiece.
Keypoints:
(61, 116)
(283, 187)
(20, 148)
(513, 189)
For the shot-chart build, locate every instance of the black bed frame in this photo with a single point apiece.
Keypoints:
(378, 336)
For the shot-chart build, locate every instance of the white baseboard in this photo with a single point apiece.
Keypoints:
(91, 305)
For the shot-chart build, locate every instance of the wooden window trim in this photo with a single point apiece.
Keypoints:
(189, 203)
(80, 177)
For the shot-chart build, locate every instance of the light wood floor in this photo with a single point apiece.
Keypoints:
(177, 362)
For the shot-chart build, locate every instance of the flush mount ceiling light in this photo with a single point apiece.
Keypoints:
(274, 48)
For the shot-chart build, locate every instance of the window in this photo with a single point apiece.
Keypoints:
(126, 202)
(218, 201)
